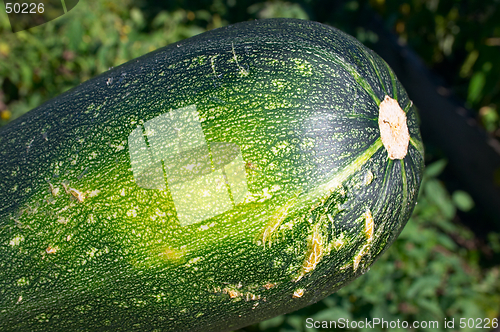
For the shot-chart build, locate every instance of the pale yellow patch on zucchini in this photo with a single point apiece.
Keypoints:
(298, 293)
(51, 250)
(172, 255)
(269, 285)
(369, 226)
(80, 197)
(16, 240)
(359, 255)
(94, 193)
(315, 252)
(53, 190)
(235, 293)
(368, 178)
(275, 221)
(338, 243)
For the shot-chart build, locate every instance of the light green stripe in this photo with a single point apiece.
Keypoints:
(418, 145)
(383, 189)
(369, 56)
(393, 80)
(357, 77)
(408, 106)
(361, 81)
(405, 185)
(346, 173)
(64, 6)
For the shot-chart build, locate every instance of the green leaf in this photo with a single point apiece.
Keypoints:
(424, 286)
(296, 322)
(137, 17)
(439, 196)
(468, 63)
(334, 313)
(273, 322)
(476, 86)
(435, 168)
(489, 118)
(329, 301)
(462, 200)
(75, 34)
(446, 242)
(494, 241)
(27, 75)
(430, 307)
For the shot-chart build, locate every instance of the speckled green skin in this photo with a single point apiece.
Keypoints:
(299, 98)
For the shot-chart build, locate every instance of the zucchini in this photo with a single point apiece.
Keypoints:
(222, 180)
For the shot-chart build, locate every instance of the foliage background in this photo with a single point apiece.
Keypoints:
(438, 268)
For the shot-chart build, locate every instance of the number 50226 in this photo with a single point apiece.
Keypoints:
(24, 8)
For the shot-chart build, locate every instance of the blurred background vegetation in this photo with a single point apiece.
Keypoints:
(438, 267)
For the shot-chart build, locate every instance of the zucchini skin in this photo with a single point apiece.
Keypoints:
(85, 247)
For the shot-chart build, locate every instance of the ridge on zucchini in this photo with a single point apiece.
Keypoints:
(222, 180)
